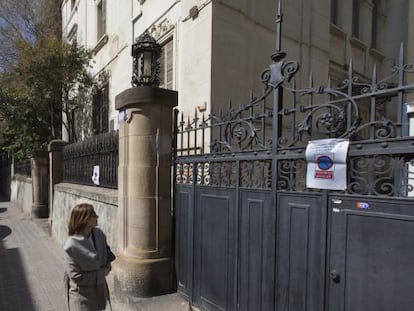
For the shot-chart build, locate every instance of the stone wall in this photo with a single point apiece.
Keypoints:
(68, 195)
(21, 193)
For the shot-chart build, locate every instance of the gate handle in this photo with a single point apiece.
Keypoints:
(335, 276)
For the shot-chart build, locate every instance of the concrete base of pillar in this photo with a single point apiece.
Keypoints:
(40, 211)
(142, 277)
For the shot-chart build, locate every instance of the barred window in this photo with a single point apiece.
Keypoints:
(100, 107)
(101, 19)
(166, 65)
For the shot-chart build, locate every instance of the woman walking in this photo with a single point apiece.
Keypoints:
(88, 261)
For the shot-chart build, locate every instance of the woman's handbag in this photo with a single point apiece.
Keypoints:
(110, 256)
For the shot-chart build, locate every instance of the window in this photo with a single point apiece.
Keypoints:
(101, 19)
(166, 65)
(73, 34)
(334, 12)
(100, 107)
(355, 19)
(375, 24)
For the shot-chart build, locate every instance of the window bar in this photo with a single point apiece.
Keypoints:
(294, 106)
(263, 120)
(310, 99)
(175, 135)
(188, 135)
(220, 128)
(195, 130)
(182, 134)
(203, 128)
(229, 108)
(350, 91)
(400, 91)
(373, 104)
(292, 171)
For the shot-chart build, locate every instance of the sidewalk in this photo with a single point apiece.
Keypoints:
(32, 265)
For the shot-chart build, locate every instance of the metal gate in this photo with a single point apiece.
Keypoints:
(251, 236)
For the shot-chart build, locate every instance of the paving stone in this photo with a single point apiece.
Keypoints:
(31, 264)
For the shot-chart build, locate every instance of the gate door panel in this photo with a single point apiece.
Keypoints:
(371, 254)
(183, 237)
(301, 252)
(214, 248)
(257, 250)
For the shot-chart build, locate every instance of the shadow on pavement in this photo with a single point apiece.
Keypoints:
(14, 289)
(3, 198)
(4, 231)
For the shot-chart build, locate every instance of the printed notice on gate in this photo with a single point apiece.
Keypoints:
(326, 168)
(95, 175)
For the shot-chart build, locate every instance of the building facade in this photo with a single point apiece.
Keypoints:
(216, 50)
(232, 243)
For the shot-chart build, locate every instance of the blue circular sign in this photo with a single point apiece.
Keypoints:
(324, 162)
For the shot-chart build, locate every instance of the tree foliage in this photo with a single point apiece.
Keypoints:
(26, 21)
(38, 72)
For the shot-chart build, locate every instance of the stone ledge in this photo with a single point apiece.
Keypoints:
(377, 54)
(357, 43)
(337, 31)
(102, 41)
(105, 195)
(145, 95)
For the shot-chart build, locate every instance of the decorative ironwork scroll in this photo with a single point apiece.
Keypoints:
(369, 113)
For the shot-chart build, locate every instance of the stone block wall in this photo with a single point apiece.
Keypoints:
(21, 193)
(105, 202)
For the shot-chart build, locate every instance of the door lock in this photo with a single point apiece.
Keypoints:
(335, 276)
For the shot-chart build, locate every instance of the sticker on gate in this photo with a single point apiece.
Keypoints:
(362, 205)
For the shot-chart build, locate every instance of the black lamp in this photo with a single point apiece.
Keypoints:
(146, 68)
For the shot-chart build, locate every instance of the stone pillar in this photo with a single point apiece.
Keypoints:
(144, 265)
(40, 179)
(55, 149)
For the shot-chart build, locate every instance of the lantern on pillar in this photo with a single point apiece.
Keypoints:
(146, 68)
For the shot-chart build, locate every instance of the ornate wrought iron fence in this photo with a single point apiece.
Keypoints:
(23, 167)
(5, 159)
(79, 160)
(370, 113)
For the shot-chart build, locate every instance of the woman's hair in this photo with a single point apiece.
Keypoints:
(79, 218)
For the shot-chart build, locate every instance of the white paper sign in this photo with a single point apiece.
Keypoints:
(327, 163)
(95, 175)
(122, 116)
